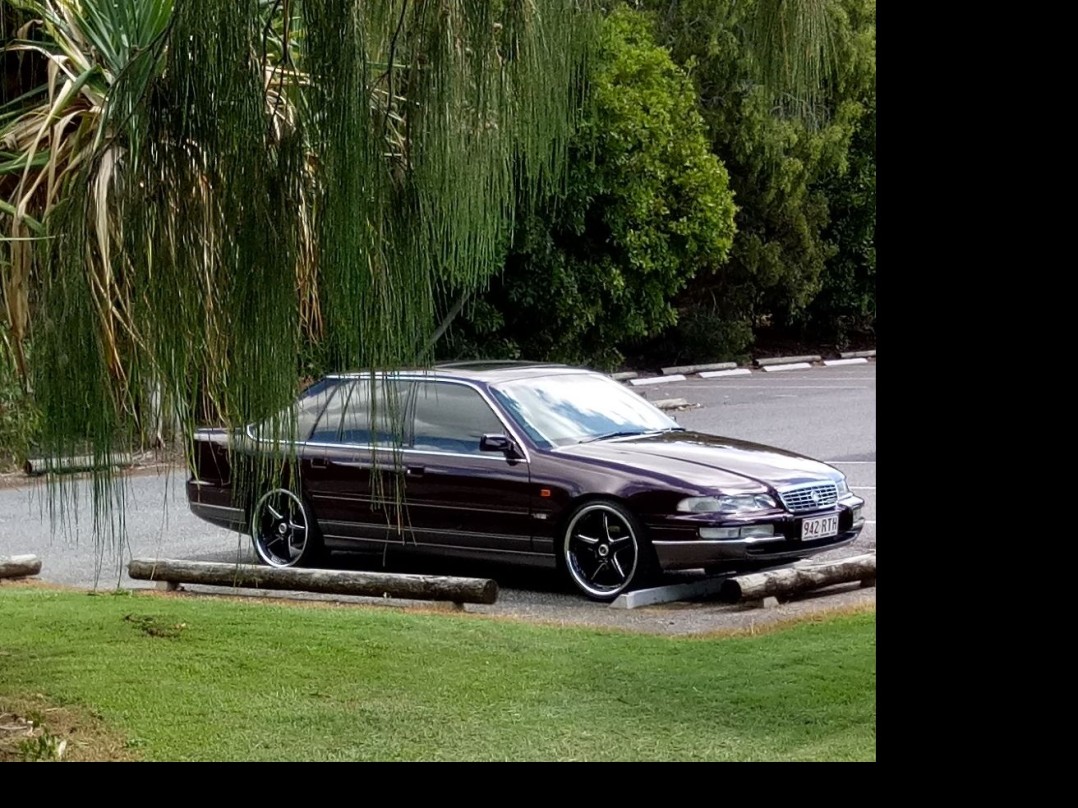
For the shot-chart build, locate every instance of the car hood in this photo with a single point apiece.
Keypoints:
(706, 460)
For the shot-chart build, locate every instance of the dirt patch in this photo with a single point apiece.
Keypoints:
(33, 729)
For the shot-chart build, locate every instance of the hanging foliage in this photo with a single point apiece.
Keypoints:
(193, 190)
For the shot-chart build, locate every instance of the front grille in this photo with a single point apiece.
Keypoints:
(809, 497)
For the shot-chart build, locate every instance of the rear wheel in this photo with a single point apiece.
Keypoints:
(283, 532)
(604, 551)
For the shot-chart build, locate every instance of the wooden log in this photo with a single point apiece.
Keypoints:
(787, 360)
(19, 566)
(54, 465)
(792, 580)
(697, 368)
(333, 582)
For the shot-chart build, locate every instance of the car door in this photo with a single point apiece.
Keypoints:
(456, 495)
(352, 464)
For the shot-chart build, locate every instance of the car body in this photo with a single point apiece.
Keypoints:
(527, 463)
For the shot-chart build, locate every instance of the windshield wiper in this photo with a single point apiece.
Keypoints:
(620, 434)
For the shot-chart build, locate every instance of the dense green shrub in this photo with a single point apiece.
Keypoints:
(804, 190)
(646, 208)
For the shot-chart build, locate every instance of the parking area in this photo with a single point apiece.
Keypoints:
(827, 413)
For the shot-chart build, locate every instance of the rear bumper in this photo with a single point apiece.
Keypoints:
(214, 505)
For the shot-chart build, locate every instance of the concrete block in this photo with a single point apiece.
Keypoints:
(791, 366)
(657, 380)
(667, 594)
(715, 374)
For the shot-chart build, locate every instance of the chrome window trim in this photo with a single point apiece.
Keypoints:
(434, 379)
(384, 448)
(493, 408)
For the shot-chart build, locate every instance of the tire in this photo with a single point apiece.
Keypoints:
(283, 531)
(604, 552)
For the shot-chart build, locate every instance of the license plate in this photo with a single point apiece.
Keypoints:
(820, 528)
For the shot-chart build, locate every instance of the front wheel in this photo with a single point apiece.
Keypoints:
(604, 550)
(283, 532)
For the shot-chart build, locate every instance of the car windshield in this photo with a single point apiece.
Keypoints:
(576, 408)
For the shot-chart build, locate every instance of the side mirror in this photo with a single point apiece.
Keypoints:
(498, 443)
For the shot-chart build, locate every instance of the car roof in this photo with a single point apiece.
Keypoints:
(490, 371)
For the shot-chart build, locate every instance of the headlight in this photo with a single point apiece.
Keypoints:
(842, 488)
(742, 503)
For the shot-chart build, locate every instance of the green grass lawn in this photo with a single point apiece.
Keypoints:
(184, 678)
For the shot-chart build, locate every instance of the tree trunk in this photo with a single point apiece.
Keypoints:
(19, 566)
(791, 580)
(335, 582)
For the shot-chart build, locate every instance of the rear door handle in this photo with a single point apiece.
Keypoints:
(414, 471)
(318, 463)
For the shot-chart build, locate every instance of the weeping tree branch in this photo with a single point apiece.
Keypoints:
(217, 220)
(443, 326)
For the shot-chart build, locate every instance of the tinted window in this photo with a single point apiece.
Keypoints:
(311, 404)
(296, 422)
(350, 414)
(452, 418)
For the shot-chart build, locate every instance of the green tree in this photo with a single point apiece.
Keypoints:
(777, 162)
(846, 303)
(646, 208)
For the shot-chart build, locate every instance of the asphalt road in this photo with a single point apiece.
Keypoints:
(828, 413)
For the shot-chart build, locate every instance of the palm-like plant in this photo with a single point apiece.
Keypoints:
(50, 134)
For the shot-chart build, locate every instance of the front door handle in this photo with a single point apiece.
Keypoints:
(414, 471)
(362, 465)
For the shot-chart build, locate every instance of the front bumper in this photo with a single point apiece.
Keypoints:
(678, 545)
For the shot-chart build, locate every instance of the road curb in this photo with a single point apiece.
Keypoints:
(766, 364)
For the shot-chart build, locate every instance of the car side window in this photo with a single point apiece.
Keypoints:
(349, 416)
(295, 422)
(452, 418)
(311, 404)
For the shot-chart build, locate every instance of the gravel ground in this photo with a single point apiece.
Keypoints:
(681, 619)
(540, 597)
